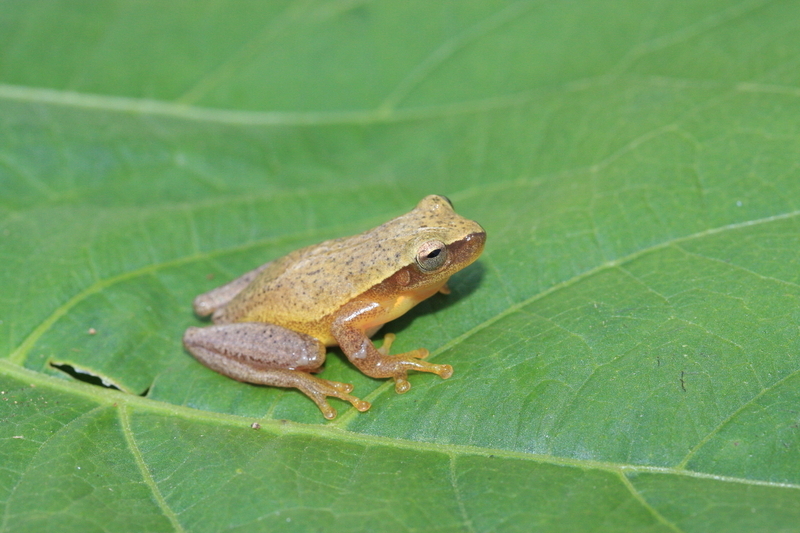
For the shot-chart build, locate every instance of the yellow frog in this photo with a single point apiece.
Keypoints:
(272, 324)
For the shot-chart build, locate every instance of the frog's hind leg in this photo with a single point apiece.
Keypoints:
(318, 390)
(267, 354)
(210, 301)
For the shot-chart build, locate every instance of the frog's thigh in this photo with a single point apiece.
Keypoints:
(246, 350)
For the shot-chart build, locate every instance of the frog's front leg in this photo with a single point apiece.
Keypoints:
(350, 331)
(267, 354)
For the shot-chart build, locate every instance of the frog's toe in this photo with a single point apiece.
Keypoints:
(419, 353)
(320, 389)
(410, 361)
(388, 340)
(360, 405)
(443, 371)
(401, 384)
(342, 394)
(342, 390)
(341, 387)
(327, 411)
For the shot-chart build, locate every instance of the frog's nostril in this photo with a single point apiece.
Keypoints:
(477, 239)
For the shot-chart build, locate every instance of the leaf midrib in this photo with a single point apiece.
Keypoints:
(122, 401)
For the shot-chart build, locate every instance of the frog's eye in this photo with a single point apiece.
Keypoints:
(431, 255)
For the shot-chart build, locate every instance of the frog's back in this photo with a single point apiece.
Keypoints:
(310, 283)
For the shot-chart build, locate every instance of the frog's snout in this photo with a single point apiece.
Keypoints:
(465, 251)
(474, 242)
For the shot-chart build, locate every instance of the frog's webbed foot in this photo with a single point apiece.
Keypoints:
(404, 362)
(319, 389)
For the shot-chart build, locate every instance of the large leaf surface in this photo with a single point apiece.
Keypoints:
(625, 351)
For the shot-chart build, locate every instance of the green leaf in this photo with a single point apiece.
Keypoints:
(625, 350)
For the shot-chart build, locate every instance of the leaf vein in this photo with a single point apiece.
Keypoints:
(447, 50)
(684, 34)
(644, 503)
(12, 490)
(702, 442)
(147, 477)
(465, 520)
(737, 267)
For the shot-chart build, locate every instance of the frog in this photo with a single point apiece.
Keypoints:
(272, 325)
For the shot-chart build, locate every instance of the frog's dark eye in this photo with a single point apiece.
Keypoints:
(431, 255)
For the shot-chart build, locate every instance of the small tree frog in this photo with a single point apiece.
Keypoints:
(272, 324)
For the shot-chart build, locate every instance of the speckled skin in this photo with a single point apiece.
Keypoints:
(338, 292)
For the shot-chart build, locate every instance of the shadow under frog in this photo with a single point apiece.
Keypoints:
(465, 283)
